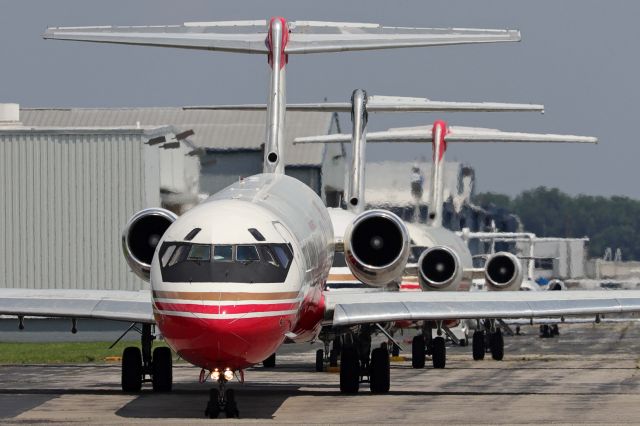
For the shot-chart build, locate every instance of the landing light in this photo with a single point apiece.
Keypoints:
(215, 374)
(228, 374)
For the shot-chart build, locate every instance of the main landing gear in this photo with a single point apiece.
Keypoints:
(488, 338)
(423, 344)
(358, 362)
(222, 400)
(139, 364)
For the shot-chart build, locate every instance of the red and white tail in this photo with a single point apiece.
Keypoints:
(279, 38)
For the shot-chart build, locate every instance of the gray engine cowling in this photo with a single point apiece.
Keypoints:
(503, 271)
(439, 269)
(141, 235)
(376, 247)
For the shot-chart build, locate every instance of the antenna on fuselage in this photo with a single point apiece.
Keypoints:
(281, 39)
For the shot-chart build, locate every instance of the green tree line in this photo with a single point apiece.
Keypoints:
(548, 212)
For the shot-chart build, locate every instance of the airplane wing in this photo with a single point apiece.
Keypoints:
(304, 36)
(130, 306)
(352, 308)
(388, 104)
(454, 134)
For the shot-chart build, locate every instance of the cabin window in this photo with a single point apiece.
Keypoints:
(247, 254)
(223, 253)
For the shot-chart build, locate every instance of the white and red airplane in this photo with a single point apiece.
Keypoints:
(236, 275)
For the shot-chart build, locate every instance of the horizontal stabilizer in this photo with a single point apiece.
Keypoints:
(454, 134)
(304, 36)
(389, 104)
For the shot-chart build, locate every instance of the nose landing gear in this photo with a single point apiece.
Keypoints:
(222, 400)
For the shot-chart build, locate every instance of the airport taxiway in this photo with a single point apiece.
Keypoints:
(590, 374)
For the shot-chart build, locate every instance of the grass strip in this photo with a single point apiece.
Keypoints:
(63, 352)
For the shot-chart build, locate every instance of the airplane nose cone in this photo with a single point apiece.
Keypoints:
(224, 342)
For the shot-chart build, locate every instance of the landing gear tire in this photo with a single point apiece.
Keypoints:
(349, 370)
(417, 352)
(213, 406)
(270, 362)
(497, 345)
(439, 355)
(162, 366)
(131, 369)
(555, 331)
(478, 345)
(379, 377)
(319, 360)
(231, 406)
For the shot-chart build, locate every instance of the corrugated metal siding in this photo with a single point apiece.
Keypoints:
(217, 130)
(66, 198)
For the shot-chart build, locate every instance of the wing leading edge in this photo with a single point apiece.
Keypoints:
(130, 306)
(351, 308)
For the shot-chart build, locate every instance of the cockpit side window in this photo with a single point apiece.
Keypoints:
(168, 252)
(283, 255)
(247, 254)
(267, 255)
(223, 253)
(179, 255)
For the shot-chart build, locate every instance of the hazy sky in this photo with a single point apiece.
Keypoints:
(578, 57)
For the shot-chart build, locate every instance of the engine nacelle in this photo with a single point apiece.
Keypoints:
(503, 271)
(141, 235)
(376, 247)
(439, 269)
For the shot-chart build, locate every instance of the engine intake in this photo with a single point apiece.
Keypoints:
(140, 237)
(376, 246)
(503, 271)
(439, 269)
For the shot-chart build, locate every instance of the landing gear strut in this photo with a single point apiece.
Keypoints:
(138, 364)
(222, 399)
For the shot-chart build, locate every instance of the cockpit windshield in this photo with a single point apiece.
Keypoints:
(242, 263)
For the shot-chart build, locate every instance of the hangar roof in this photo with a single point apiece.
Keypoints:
(217, 130)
